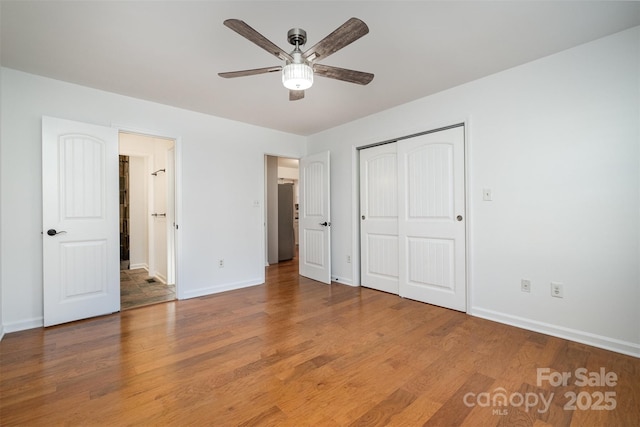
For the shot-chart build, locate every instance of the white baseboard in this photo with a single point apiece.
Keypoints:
(607, 343)
(137, 266)
(1, 332)
(194, 293)
(161, 278)
(21, 325)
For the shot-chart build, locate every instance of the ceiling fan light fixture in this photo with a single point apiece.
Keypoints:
(297, 76)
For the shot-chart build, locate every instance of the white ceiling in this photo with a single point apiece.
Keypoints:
(170, 52)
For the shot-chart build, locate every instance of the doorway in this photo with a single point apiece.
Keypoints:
(312, 215)
(281, 209)
(147, 220)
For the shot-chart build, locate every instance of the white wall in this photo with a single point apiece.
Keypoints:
(558, 142)
(288, 173)
(218, 216)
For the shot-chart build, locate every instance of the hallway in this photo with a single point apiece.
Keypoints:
(137, 289)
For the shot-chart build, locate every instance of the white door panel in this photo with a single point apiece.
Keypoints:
(80, 203)
(431, 218)
(379, 217)
(314, 218)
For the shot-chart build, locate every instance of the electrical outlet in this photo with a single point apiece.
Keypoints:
(557, 290)
(487, 194)
(348, 259)
(525, 285)
(221, 263)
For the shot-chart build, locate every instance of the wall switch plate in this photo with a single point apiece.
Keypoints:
(486, 195)
(557, 290)
(221, 263)
(348, 259)
(525, 285)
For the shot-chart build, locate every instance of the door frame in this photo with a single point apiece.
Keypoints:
(177, 171)
(265, 215)
(355, 188)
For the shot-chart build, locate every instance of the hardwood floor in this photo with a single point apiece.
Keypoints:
(295, 352)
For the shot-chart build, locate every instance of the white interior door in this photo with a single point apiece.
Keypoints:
(80, 220)
(379, 218)
(431, 218)
(314, 218)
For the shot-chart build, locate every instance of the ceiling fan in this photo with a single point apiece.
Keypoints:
(300, 67)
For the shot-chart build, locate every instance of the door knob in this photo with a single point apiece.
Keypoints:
(459, 217)
(53, 232)
(324, 224)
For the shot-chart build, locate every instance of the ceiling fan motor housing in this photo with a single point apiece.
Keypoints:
(297, 37)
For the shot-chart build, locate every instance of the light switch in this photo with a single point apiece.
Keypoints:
(486, 194)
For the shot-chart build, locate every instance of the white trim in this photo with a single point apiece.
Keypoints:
(467, 210)
(1, 332)
(21, 325)
(194, 293)
(138, 266)
(355, 217)
(177, 214)
(600, 341)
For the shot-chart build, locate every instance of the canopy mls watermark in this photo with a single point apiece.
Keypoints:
(601, 399)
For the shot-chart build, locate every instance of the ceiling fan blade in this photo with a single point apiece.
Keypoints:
(295, 95)
(252, 35)
(253, 72)
(344, 35)
(343, 74)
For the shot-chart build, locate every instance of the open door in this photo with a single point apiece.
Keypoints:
(80, 220)
(315, 218)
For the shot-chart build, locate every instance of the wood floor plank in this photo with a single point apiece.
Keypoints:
(381, 414)
(454, 410)
(294, 352)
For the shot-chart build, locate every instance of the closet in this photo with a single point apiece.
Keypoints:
(412, 223)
